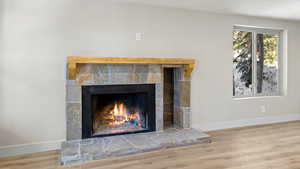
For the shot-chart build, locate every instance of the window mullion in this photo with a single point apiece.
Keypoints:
(254, 63)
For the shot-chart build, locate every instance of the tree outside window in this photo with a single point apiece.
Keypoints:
(256, 62)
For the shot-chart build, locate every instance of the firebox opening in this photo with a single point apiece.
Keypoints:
(168, 98)
(117, 109)
(119, 113)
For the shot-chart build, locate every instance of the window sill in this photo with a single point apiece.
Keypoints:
(256, 97)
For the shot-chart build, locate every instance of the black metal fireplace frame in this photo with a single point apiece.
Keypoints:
(89, 91)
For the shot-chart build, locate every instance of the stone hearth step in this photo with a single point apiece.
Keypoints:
(103, 147)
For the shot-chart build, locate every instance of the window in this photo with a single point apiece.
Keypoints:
(256, 61)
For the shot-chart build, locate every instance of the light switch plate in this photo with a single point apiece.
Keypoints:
(138, 36)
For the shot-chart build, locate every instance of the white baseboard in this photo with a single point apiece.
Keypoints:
(246, 122)
(29, 148)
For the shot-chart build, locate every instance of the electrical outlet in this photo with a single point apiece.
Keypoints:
(263, 108)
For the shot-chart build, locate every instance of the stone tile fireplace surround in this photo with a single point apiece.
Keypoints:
(86, 71)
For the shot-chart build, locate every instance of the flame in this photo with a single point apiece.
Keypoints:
(120, 115)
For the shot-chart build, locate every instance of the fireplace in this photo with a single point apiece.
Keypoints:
(117, 109)
(108, 96)
(114, 96)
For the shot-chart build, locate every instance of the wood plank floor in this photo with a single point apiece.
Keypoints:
(275, 146)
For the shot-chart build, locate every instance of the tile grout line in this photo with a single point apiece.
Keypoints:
(125, 139)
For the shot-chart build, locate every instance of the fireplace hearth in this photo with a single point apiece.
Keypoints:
(117, 109)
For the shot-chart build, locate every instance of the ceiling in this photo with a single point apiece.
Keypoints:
(282, 9)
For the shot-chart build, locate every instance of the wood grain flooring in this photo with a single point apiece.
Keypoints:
(275, 146)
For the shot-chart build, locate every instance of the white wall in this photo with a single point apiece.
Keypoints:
(38, 35)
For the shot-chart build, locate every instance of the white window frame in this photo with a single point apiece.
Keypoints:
(271, 31)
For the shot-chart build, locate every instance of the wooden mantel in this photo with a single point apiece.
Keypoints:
(72, 62)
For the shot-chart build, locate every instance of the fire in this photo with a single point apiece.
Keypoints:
(120, 116)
